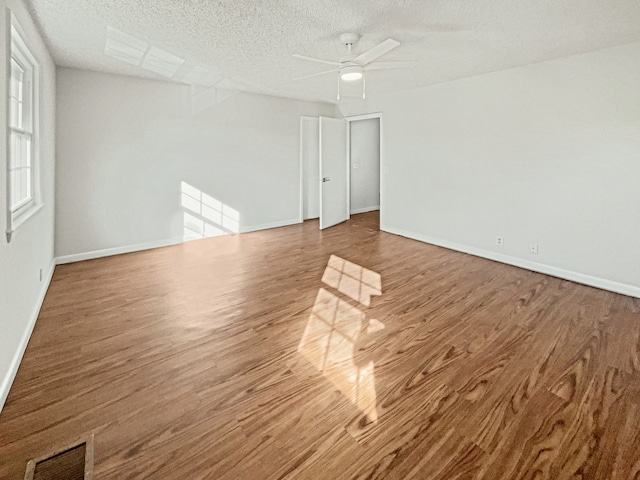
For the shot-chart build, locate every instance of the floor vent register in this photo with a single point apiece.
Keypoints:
(73, 462)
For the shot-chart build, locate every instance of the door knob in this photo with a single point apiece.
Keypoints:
(325, 179)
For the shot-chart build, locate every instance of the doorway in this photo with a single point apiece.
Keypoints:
(364, 164)
(361, 161)
(309, 168)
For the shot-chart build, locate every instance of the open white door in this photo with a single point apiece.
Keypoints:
(334, 193)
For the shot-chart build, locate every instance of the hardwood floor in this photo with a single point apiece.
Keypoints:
(349, 353)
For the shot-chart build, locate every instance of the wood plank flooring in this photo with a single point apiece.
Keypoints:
(349, 353)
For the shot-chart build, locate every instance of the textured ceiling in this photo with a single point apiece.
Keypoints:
(248, 44)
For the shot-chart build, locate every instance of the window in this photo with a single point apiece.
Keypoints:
(23, 188)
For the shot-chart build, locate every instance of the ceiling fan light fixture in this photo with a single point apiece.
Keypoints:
(351, 73)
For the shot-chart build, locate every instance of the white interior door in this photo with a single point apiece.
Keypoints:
(334, 200)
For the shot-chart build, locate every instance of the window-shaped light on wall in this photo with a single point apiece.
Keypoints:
(205, 216)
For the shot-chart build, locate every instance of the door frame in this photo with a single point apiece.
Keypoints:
(355, 118)
(349, 119)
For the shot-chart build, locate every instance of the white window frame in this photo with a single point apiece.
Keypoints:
(19, 52)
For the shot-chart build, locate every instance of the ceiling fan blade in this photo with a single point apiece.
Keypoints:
(377, 51)
(318, 60)
(317, 74)
(389, 65)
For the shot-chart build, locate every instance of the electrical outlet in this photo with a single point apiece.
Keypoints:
(499, 241)
(533, 248)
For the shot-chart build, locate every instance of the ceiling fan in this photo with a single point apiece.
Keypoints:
(351, 67)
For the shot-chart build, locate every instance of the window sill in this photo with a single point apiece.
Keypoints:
(21, 219)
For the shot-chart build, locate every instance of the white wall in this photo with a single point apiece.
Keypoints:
(546, 153)
(365, 165)
(125, 145)
(310, 138)
(31, 247)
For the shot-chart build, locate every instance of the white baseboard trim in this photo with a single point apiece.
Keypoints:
(577, 277)
(106, 252)
(364, 210)
(7, 381)
(78, 257)
(265, 226)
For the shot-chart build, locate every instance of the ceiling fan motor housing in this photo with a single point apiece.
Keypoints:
(351, 72)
